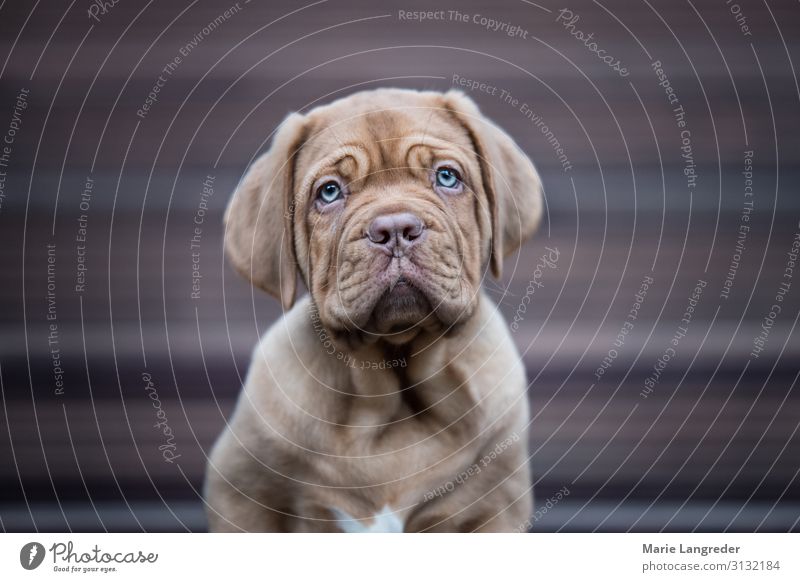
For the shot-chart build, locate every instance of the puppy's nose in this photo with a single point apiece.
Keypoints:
(395, 232)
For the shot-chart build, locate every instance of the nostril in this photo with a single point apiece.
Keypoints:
(409, 226)
(380, 231)
(395, 229)
(411, 233)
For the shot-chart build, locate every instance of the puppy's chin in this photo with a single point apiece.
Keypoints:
(395, 312)
(400, 311)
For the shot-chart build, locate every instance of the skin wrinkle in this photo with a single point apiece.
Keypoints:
(476, 206)
(485, 179)
(409, 397)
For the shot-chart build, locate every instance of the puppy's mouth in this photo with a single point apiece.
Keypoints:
(377, 297)
(401, 307)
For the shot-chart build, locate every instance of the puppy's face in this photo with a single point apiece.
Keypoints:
(391, 204)
(391, 217)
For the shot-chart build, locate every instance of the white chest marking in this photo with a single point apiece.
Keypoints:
(385, 521)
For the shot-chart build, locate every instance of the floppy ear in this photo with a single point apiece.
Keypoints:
(510, 180)
(259, 236)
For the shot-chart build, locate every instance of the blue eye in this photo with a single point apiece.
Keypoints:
(447, 178)
(329, 192)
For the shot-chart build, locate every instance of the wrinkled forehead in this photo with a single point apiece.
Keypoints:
(385, 132)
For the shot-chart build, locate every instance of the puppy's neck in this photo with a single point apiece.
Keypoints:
(420, 348)
(426, 344)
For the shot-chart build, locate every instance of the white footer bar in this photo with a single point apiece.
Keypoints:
(401, 557)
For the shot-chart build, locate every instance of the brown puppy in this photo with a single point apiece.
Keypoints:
(392, 397)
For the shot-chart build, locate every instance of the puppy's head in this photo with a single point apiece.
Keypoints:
(390, 204)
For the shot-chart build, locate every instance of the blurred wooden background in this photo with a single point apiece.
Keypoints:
(714, 447)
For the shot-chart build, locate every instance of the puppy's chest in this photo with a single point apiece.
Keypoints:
(400, 410)
(403, 437)
(385, 473)
(408, 436)
(390, 438)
